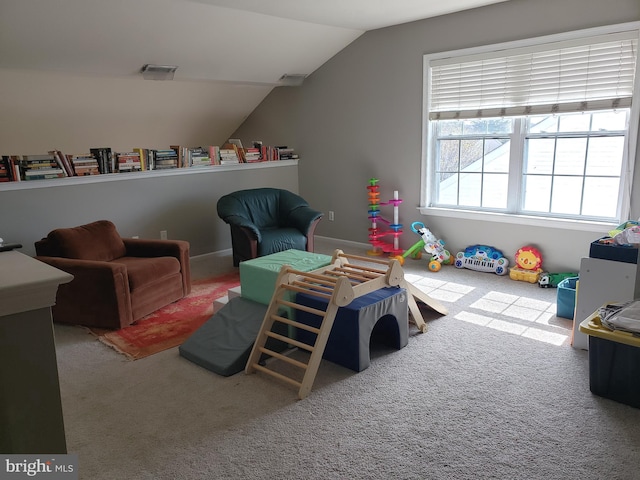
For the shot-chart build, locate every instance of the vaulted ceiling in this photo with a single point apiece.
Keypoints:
(241, 48)
(240, 41)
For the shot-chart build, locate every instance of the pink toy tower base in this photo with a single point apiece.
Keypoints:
(376, 236)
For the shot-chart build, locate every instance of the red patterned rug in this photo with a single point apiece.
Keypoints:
(171, 325)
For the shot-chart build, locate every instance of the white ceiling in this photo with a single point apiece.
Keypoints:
(354, 14)
(238, 41)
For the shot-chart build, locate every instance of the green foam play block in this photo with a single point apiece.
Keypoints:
(258, 275)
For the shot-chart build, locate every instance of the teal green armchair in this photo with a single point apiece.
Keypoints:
(267, 220)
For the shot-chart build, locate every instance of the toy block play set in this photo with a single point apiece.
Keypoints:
(282, 308)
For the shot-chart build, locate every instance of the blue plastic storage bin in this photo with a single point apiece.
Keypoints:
(566, 301)
(612, 251)
(614, 362)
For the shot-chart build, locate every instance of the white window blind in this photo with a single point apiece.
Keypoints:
(593, 73)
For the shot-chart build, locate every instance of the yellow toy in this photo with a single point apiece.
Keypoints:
(528, 265)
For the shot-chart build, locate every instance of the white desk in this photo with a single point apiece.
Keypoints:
(30, 406)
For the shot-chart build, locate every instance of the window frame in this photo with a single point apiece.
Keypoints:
(429, 153)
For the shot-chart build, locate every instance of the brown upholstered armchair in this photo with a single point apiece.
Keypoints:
(116, 280)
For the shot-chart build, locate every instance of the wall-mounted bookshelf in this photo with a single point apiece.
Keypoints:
(99, 165)
(145, 174)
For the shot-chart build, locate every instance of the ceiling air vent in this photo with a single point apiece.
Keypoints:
(158, 72)
(292, 79)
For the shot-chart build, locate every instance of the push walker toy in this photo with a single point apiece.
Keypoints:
(431, 245)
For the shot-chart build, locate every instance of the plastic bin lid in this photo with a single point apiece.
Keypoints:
(592, 326)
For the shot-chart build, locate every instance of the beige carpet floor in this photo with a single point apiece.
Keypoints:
(492, 390)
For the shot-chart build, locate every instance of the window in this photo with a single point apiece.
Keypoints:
(544, 128)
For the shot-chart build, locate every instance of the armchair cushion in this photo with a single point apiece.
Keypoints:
(178, 249)
(95, 241)
(143, 271)
(280, 239)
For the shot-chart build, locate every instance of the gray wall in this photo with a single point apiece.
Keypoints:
(182, 204)
(359, 116)
(42, 111)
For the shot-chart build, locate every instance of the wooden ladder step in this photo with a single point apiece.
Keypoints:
(285, 358)
(308, 291)
(284, 378)
(304, 308)
(293, 323)
(316, 287)
(290, 341)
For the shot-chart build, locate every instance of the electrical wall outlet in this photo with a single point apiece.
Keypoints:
(163, 234)
(331, 216)
(136, 236)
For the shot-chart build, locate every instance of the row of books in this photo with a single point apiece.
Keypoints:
(55, 164)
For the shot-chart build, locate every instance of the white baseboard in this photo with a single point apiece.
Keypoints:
(337, 242)
(208, 258)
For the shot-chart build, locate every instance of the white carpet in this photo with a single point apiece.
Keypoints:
(492, 390)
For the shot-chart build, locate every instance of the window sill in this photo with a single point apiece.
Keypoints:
(110, 177)
(586, 226)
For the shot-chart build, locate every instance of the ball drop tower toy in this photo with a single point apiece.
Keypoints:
(381, 247)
